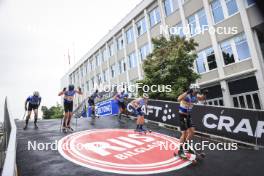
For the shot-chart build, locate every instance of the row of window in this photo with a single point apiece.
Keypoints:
(233, 50)
(197, 22)
(115, 69)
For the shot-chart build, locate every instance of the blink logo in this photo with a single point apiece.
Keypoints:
(165, 113)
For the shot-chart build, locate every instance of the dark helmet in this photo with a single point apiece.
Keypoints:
(36, 93)
(71, 87)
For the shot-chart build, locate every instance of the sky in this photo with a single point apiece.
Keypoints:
(35, 36)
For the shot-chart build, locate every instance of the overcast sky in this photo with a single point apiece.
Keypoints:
(36, 34)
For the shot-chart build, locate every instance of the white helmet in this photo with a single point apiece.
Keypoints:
(195, 87)
(145, 95)
(36, 93)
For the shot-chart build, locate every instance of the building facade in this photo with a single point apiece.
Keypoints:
(230, 52)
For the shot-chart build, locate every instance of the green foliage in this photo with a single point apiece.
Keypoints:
(170, 63)
(54, 112)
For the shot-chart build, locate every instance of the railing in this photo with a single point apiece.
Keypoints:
(8, 147)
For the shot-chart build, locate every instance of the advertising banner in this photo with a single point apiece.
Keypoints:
(239, 124)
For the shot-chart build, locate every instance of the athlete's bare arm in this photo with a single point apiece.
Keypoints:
(79, 91)
(62, 92)
(182, 96)
(201, 97)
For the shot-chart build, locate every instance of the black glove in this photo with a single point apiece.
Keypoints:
(64, 89)
(79, 89)
(189, 91)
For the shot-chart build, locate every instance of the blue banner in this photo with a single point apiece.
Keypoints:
(105, 108)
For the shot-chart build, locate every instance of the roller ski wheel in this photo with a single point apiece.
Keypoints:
(70, 129)
(182, 156)
(35, 126)
(64, 130)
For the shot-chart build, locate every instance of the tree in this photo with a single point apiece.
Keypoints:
(54, 112)
(170, 63)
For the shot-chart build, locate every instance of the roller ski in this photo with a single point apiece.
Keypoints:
(70, 129)
(186, 156)
(64, 130)
(119, 117)
(198, 155)
(35, 126)
(142, 130)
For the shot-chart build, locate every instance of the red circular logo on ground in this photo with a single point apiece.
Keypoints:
(122, 151)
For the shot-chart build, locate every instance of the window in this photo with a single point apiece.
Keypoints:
(86, 67)
(92, 81)
(144, 51)
(249, 100)
(210, 56)
(132, 60)
(87, 86)
(242, 47)
(104, 55)
(200, 63)
(118, 67)
(111, 49)
(202, 19)
(237, 45)
(177, 30)
(192, 25)
(141, 27)
(231, 6)
(154, 17)
(81, 71)
(217, 11)
(98, 60)
(129, 35)
(105, 74)
(199, 18)
(124, 65)
(120, 43)
(98, 77)
(206, 61)
(250, 2)
(170, 6)
(227, 53)
(121, 66)
(112, 69)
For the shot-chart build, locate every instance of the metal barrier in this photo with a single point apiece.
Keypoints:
(9, 144)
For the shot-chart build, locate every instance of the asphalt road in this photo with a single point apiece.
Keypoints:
(243, 162)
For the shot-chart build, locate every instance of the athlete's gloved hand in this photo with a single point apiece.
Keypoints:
(64, 89)
(189, 91)
(79, 89)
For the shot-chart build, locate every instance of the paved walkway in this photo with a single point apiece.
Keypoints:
(243, 162)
